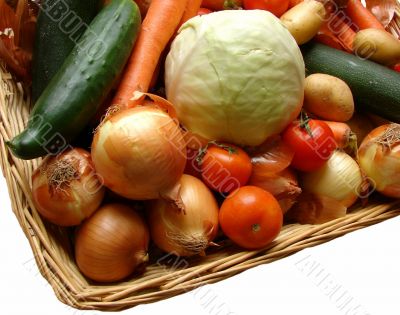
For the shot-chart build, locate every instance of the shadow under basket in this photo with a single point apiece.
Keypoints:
(166, 275)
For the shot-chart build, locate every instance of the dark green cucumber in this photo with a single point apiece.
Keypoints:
(375, 88)
(82, 83)
(59, 26)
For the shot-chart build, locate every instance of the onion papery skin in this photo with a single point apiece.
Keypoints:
(190, 233)
(68, 202)
(140, 153)
(283, 186)
(112, 243)
(381, 163)
(272, 157)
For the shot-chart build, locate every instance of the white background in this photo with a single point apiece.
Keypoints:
(357, 274)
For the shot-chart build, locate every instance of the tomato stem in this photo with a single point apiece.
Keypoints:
(353, 146)
(304, 123)
(224, 146)
(202, 151)
(256, 227)
(231, 5)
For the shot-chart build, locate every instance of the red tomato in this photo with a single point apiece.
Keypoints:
(311, 151)
(277, 7)
(203, 11)
(251, 217)
(397, 67)
(225, 170)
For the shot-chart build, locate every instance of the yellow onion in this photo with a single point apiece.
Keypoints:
(185, 233)
(111, 243)
(66, 188)
(379, 158)
(141, 153)
(340, 179)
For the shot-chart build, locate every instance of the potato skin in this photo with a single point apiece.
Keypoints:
(328, 97)
(377, 45)
(304, 20)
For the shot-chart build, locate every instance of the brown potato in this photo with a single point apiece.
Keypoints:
(304, 20)
(377, 45)
(328, 97)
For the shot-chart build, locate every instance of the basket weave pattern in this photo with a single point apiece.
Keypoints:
(166, 276)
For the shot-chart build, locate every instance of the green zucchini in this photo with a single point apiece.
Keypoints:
(59, 25)
(375, 88)
(84, 80)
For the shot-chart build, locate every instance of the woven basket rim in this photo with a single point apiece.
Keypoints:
(166, 277)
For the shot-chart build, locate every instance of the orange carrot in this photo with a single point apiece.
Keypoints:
(361, 16)
(342, 133)
(191, 10)
(327, 37)
(342, 31)
(143, 6)
(158, 27)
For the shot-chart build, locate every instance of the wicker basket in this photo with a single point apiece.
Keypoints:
(165, 276)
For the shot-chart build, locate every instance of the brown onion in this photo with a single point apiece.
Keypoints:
(111, 243)
(66, 188)
(283, 186)
(189, 233)
(272, 157)
(270, 171)
(141, 153)
(379, 158)
(316, 209)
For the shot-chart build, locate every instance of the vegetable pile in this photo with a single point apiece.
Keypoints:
(184, 125)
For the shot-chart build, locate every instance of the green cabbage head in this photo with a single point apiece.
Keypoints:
(235, 76)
